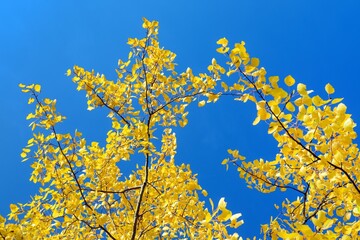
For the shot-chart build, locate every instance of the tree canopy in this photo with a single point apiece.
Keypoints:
(86, 195)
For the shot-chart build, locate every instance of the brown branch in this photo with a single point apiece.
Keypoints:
(108, 106)
(159, 193)
(277, 117)
(145, 78)
(64, 155)
(93, 227)
(175, 99)
(142, 191)
(305, 199)
(292, 137)
(107, 232)
(266, 180)
(128, 201)
(147, 158)
(72, 170)
(147, 230)
(346, 174)
(73, 173)
(319, 207)
(113, 192)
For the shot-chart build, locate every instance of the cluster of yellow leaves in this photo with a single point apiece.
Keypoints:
(85, 195)
(317, 156)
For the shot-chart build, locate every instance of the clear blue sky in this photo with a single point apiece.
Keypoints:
(314, 41)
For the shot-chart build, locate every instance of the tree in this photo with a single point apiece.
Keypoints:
(84, 194)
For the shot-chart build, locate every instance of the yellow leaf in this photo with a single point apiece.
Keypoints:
(223, 42)
(222, 49)
(116, 125)
(289, 80)
(256, 121)
(301, 88)
(290, 107)
(238, 87)
(225, 215)
(340, 109)
(327, 224)
(273, 80)
(68, 72)
(222, 204)
(30, 116)
(208, 217)
(284, 235)
(47, 101)
(31, 100)
(146, 23)
(340, 212)
(13, 208)
(213, 97)
(349, 124)
(224, 86)
(318, 101)
(272, 128)
(236, 216)
(329, 89)
(278, 93)
(336, 100)
(212, 204)
(204, 192)
(356, 210)
(255, 62)
(201, 103)
(37, 88)
(56, 213)
(26, 150)
(131, 41)
(183, 122)
(263, 114)
(193, 185)
(230, 72)
(235, 224)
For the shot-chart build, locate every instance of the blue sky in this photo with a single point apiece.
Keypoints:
(315, 41)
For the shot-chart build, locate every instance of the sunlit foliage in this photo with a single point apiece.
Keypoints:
(317, 157)
(85, 194)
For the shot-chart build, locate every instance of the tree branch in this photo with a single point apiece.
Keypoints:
(292, 137)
